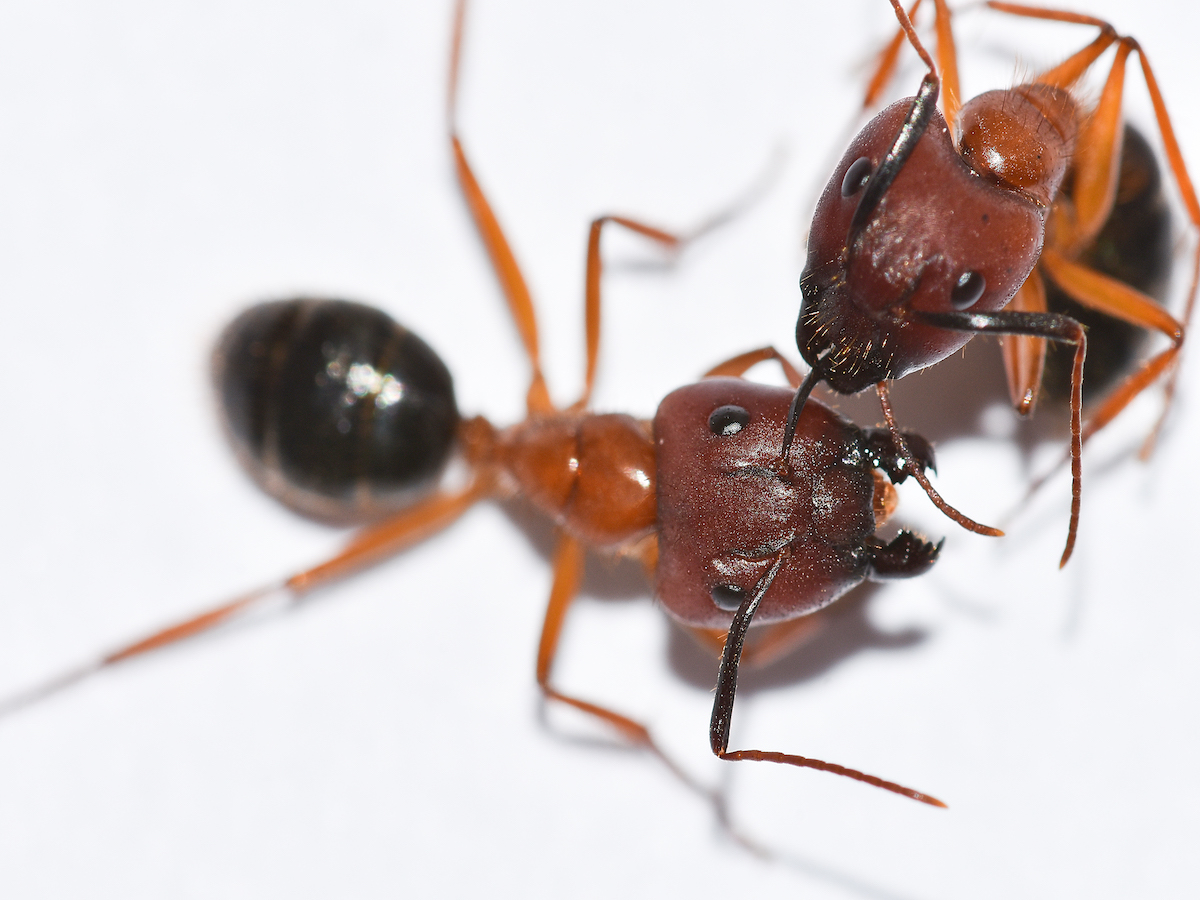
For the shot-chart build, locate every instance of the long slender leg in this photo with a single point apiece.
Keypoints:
(767, 643)
(368, 547)
(504, 261)
(947, 59)
(1025, 355)
(738, 365)
(668, 240)
(1096, 163)
(1114, 298)
(885, 68)
(595, 267)
(568, 570)
(947, 56)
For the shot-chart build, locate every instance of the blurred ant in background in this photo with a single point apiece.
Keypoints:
(982, 218)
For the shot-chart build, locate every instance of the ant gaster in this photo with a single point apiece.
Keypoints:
(918, 244)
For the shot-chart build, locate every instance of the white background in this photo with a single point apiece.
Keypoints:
(163, 165)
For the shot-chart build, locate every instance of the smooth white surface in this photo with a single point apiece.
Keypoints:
(162, 165)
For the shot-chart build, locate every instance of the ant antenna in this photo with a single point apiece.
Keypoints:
(722, 713)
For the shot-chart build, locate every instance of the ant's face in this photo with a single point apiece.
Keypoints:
(939, 239)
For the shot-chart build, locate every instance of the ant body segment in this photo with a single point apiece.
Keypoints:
(937, 226)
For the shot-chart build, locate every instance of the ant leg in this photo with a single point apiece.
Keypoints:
(1192, 205)
(768, 643)
(948, 63)
(504, 262)
(1072, 69)
(1097, 160)
(1025, 355)
(369, 546)
(1114, 298)
(667, 240)
(568, 571)
(885, 68)
(592, 286)
(727, 688)
(947, 58)
(739, 365)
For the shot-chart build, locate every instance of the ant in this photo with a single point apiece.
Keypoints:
(919, 243)
(272, 759)
(346, 416)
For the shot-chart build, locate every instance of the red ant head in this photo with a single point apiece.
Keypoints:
(728, 511)
(906, 228)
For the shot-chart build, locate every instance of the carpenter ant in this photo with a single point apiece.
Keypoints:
(918, 244)
(344, 415)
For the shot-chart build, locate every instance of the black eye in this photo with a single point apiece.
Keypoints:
(728, 596)
(728, 420)
(967, 290)
(856, 176)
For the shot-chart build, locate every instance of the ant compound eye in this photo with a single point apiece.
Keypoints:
(967, 290)
(857, 176)
(727, 421)
(728, 596)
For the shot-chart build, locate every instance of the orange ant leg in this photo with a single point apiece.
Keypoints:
(592, 286)
(722, 713)
(508, 271)
(1112, 297)
(368, 547)
(739, 365)
(568, 572)
(948, 63)
(769, 642)
(512, 282)
(1025, 355)
(886, 66)
(1073, 68)
(667, 240)
(1097, 161)
(947, 59)
(504, 261)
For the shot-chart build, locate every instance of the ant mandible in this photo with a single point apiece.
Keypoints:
(918, 244)
(343, 414)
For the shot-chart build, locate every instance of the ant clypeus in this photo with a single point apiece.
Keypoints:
(159, 529)
(932, 230)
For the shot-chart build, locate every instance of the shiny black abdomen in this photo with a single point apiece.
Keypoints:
(333, 407)
(1134, 247)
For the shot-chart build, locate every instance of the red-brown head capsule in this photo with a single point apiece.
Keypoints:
(728, 510)
(938, 239)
